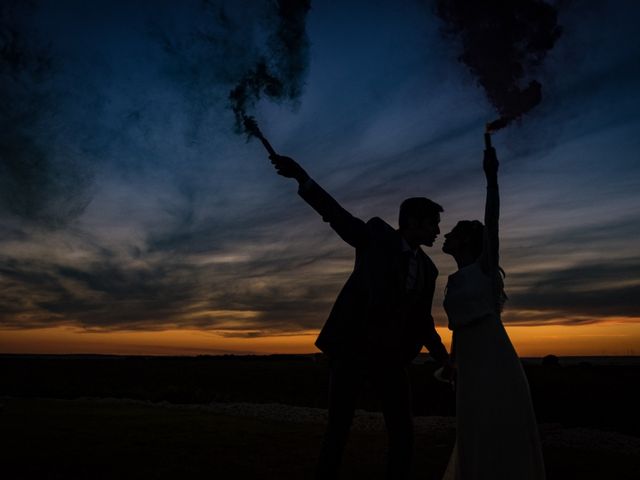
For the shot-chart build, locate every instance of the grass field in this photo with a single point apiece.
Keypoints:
(110, 439)
(88, 417)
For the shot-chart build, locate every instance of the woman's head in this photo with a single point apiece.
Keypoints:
(465, 240)
(465, 243)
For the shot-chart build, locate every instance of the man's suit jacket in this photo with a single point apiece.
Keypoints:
(375, 317)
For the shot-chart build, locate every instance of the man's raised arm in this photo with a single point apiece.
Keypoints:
(351, 229)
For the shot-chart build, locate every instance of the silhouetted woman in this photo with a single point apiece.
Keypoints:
(497, 434)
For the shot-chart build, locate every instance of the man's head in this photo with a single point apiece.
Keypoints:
(418, 221)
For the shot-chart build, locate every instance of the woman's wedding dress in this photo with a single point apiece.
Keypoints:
(497, 434)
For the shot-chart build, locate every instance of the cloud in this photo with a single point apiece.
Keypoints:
(268, 287)
(233, 289)
(583, 293)
(188, 226)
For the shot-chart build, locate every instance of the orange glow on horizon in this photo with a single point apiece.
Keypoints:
(613, 337)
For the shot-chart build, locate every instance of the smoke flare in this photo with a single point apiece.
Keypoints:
(282, 76)
(503, 41)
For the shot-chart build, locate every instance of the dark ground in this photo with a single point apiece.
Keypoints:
(585, 394)
(90, 439)
(50, 429)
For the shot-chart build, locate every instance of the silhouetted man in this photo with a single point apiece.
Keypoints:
(380, 320)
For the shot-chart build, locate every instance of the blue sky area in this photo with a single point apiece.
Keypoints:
(129, 202)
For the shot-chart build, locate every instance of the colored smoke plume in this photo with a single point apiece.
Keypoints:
(503, 41)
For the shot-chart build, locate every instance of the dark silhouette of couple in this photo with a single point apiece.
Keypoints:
(382, 318)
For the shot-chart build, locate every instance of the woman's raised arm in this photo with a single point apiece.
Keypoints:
(491, 245)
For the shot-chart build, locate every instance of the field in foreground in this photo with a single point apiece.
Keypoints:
(105, 439)
(97, 417)
(586, 394)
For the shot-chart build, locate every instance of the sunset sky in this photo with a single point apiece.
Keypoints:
(134, 219)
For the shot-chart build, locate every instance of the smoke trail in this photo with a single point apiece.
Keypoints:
(503, 41)
(38, 181)
(280, 76)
